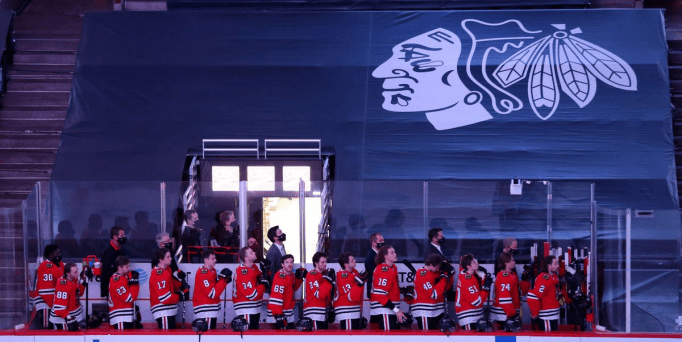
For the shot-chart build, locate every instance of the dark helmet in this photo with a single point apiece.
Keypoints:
(447, 325)
(407, 323)
(512, 325)
(199, 325)
(483, 325)
(239, 324)
(94, 321)
(304, 324)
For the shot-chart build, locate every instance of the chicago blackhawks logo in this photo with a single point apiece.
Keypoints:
(384, 268)
(245, 271)
(422, 74)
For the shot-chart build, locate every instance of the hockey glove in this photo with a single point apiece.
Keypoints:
(361, 278)
(487, 283)
(226, 275)
(301, 273)
(264, 281)
(280, 322)
(179, 275)
(447, 268)
(134, 278)
(330, 275)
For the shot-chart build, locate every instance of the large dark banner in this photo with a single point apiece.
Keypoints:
(400, 98)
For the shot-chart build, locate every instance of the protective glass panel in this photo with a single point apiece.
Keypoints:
(611, 226)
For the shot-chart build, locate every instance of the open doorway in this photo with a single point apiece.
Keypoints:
(284, 212)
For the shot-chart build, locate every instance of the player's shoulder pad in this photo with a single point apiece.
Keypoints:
(384, 268)
(245, 270)
(422, 273)
(159, 271)
(282, 275)
(468, 276)
(505, 274)
(344, 274)
(62, 281)
(313, 272)
(116, 277)
(204, 271)
(545, 276)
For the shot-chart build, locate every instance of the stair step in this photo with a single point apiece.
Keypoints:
(17, 184)
(40, 72)
(29, 141)
(676, 86)
(44, 58)
(676, 100)
(24, 174)
(9, 126)
(58, 85)
(675, 72)
(35, 99)
(30, 112)
(46, 44)
(674, 57)
(27, 157)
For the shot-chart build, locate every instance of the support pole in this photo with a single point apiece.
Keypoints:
(162, 194)
(593, 256)
(549, 213)
(301, 218)
(628, 270)
(243, 214)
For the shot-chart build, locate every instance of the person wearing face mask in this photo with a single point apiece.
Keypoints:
(49, 271)
(113, 251)
(436, 241)
(187, 235)
(376, 240)
(277, 250)
(163, 240)
(509, 245)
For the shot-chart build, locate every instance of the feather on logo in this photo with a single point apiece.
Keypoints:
(563, 61)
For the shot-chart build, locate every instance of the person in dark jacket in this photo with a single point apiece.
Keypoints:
(113, 251)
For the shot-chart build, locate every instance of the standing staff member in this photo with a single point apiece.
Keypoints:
(544, 299)
(318, 292)
(429, 285)
(111, 253)
(67, 310)
(348, 297)
(284, 286)
(276, 251)
(470, 299)
(123, 291)
(163, 291)
(208, 287)
(248, 288)
(507, 303)
(376, 241)
(48, 273)
(385, 297)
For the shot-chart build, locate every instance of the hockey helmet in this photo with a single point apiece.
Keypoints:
(483, 325)
(447, 325)
(239, 324)
(304, 324)
(94, 321)
(199, 325)
(407, 322)
(512, 325)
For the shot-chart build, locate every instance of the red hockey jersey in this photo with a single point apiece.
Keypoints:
(469, 305)
(543, 299)
(507, 302)
(48, 274)
(318, 296)
(282, 296)
(66, 302)
(247, 293)
(348, 296)
(207, 291)
(121, 298)
(384, 288)
(429, 291)
(162, 297)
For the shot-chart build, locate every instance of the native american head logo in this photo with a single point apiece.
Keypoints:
(422, 74)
